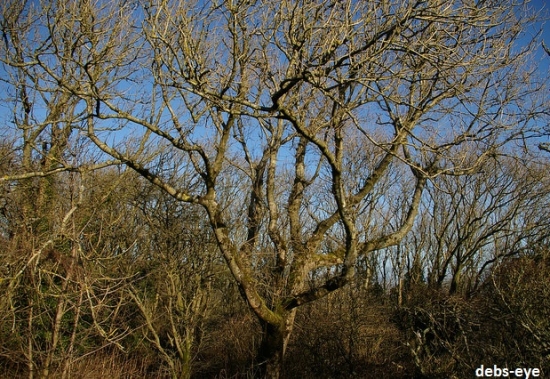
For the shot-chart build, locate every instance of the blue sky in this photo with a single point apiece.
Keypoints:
(540, 6)
(543, 7)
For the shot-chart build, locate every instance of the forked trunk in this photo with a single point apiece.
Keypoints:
(273, 347)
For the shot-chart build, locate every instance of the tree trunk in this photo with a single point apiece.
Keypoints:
(272, 351)
(270, 357)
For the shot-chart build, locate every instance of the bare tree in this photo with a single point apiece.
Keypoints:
(263, 106)
(174, 295)
(474, 221)
(60, 304)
